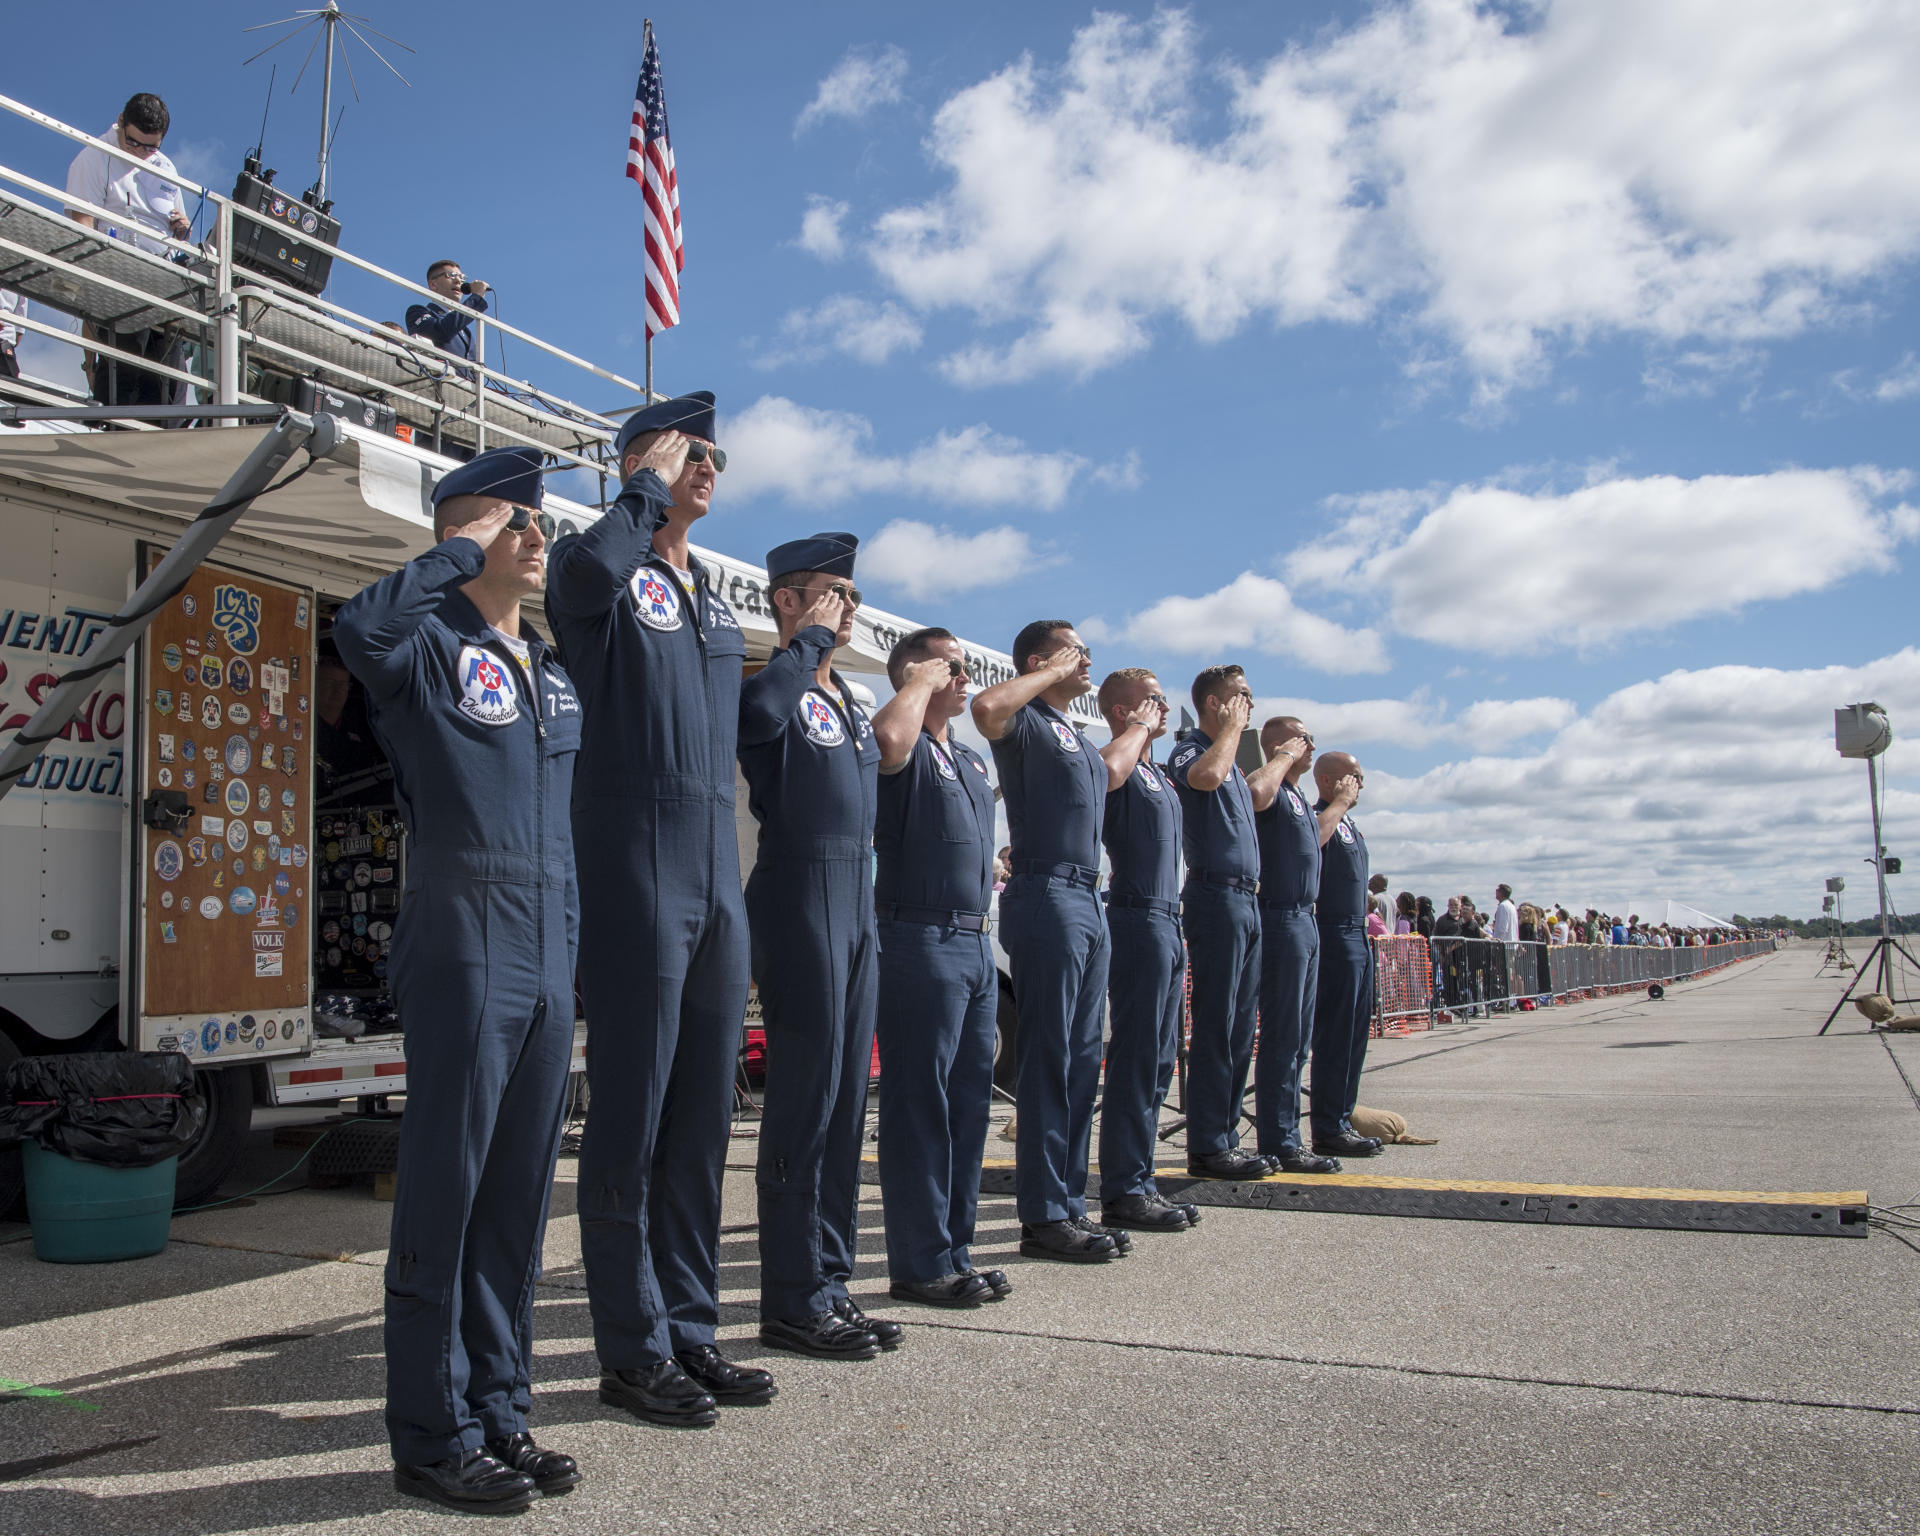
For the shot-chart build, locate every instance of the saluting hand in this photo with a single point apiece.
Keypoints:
(1152, 713)
(1292, 749)
(1239, 711)
(483, 530)
(1064, 663)
(933, 674)
(1347, 791)
(666, 457)
(825, 610)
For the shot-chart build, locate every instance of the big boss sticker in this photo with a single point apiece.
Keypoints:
(487, 693)
(655, 601)
(236, 614)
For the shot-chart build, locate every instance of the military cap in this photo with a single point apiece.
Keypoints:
(829, 553)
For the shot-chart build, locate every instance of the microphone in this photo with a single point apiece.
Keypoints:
(472, 286)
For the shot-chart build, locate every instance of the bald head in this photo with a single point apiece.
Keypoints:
(1332, 767)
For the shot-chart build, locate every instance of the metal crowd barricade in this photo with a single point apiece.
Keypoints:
(1403, 1001)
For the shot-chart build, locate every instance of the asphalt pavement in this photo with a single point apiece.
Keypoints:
(1266, 1372)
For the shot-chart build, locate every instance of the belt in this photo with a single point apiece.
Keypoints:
(1286, 906)
(934, 917)
(1224, 882)
(1146, 903)
(1077, 874)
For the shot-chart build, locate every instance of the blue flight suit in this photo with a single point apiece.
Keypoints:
(811, 766)
(1289, 836)
(1223, 946)
(451, 330)
(1146, 985)
(663, 953)
(939, 1001)
(1054, 931)
(1343, 1009)
(483, 954)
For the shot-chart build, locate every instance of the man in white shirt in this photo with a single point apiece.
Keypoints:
(11, 304)
(1506, 917)
(139, 197)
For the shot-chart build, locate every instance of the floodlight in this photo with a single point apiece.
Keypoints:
(1861, 730)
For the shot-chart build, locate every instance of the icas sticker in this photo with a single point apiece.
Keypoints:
(236, 614)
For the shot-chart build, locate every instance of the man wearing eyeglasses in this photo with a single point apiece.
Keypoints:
(663, 938)
(1290, 836)
(482, 727)
(811, 762)
(449, 326)
(1054, 932)
(1222, 918)
(136, 197)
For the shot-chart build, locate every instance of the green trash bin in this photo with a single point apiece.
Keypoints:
(87, 1213)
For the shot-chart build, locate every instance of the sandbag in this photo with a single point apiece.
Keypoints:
(122, 1109)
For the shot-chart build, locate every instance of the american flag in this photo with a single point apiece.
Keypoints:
(650, 162)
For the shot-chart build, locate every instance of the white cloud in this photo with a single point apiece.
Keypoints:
(866, 78)
(1511, 179)
(867, 332)
(1902, 383)
(820, 233)
(822, 458)
(1718, 786)
(923, 560)
(1255, 611)
(1419, 720)
(1502, 569)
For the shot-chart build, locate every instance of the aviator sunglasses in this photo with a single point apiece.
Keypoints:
(522, 516)
(699, 453)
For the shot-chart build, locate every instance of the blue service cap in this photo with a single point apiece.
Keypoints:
(691, 414)
(829, 553)
(512, 474)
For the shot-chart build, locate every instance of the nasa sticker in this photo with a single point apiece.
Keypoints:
(1148, 777)
(487, 693)
(822, 725)
(656, 601)
(166, 860)
(1064, 734)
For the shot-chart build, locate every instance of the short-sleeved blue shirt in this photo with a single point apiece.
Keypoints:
(1055, 784)
(934, 830)
(1343, 874)
(1142, 833)
(1219, 822)
(1289, 834)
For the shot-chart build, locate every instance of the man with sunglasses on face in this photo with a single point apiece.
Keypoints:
(1290, 835)
(137, 197)
(1222, 916)
(812, 765)
(663, 941)
(1054, 931)
(481, 726)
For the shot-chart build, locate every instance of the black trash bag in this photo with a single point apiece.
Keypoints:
(125, 1109)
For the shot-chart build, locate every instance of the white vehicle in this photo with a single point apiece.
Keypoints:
(170, 877)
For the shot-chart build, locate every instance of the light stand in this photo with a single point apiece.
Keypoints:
(1834, 905)
(1863, 731)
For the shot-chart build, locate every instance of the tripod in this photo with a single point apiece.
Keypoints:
(1884, 949)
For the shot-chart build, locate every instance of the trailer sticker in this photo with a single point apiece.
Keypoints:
(165, 748)
(239, 755)
(209, 671)
(238, 714)
(211, 906)
(282, 883)
(242, 902)
(166, 901)
(259, 856)
(170, 658)
(237, 836)
(219, 879)
(231, 1032)
(263, 829)
(300, 613)
(163, 700)
(166, 860)
(189, 779)
(210, 1036)
(197, 849)
(291, 917)
(188, 605)
(167, 937)
(165, 778)
(213, 826)
(188, 750)
(236, 614)
(240, 675)
(210, 712)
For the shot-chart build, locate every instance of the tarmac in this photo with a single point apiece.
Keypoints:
(1265, 1372)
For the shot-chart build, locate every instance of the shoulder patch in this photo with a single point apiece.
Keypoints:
(487, 690)
(1147, 776)
(1184, 756)
(656, 601)
(819, 721)
(1065, 735)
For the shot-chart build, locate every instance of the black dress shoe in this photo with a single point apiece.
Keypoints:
(472, 1482)
(1347, 1145)
(948, 1291)
(998, 1285)
(885, 1334)
(827, 1336)
(1187, 1209)
(1122, 1244)
(1142, 1213)
(1066, 1241)
(1232, 1163)
(661, 1393)
(729, 1385)
(1300, 1160)
(552, 1472)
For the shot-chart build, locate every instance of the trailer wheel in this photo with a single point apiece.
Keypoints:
(1006, 1036)
(13, 1181)
(205, 1165)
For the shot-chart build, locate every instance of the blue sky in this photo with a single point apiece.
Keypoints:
(1525, 392)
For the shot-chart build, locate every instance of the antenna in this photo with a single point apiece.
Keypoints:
(260, 147)
(326, 21)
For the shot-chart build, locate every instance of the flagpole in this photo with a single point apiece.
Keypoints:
(646, 42)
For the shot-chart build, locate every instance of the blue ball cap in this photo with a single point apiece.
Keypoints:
(512, 474)
(831, 554)
(691, 414)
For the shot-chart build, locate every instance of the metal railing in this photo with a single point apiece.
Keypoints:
(252, 334)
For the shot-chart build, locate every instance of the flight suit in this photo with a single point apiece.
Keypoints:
(663, 952)
(1223, 946)
(811, 766)
(483, 954)
(1343, 1008)
(939, 1003)
(1146, 986)
(1054, 931)
(1289, 835)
